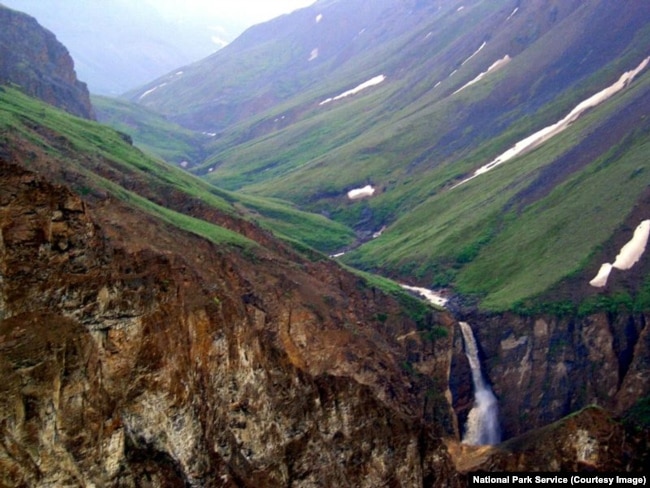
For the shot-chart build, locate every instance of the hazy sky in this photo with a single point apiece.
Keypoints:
(241, 12)
(252, 11)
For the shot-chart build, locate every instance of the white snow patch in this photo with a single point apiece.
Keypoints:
(632, 251)
(493, 67)
(512, 14)
(543, 135)
(148, 92)
(319, 17)
(357, 193)
(601, 278)
(313, 55)
(367, 84)
(475, 53)
(627, 257)
(430, 295)
(379, 232)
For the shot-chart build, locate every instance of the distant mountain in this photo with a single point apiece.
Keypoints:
(273, 61)
(120, 44)
(414, 102)
(32, 58)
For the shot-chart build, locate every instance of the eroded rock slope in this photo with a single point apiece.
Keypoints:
(134, 354)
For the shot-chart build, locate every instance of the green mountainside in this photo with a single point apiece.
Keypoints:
(450, 87)
(152, 132)
(109, 164)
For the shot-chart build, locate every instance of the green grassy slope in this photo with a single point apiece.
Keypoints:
(151, 131)
(111, 164)
(508, 235)
(512, 234)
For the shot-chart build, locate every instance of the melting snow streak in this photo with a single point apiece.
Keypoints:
(539, 137)
(430, 295)
(367, 84)
(475, 53)
(495, 66)
(151, 91)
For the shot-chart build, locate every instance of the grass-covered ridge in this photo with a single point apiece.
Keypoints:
(510, 234)
(151, 131)
(109, 162)
(508, 237)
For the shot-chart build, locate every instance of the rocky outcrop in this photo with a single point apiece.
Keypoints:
(156, 358)
(544, 368)
(590, 440)
(32, 58)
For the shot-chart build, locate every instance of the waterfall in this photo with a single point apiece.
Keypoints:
(483, 420)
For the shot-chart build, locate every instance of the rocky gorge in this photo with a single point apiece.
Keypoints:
(180, 363)
(543, 368)
(138, 352)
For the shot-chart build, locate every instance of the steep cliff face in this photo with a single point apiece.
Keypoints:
(543, 368)
(32, 58)
(156, 358)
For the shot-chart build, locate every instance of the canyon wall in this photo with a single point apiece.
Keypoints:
(544, 368)
(133, 354)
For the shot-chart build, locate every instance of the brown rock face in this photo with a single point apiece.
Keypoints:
(590, 440)
(544, 368)
(156, 358)
(32, 58)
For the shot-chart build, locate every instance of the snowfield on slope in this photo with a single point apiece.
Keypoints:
(475, 53)
(543, 135)
(148, 92)
(628, 256)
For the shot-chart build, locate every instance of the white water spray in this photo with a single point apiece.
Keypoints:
(483, 420)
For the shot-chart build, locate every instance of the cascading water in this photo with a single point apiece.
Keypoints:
(483, 420)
